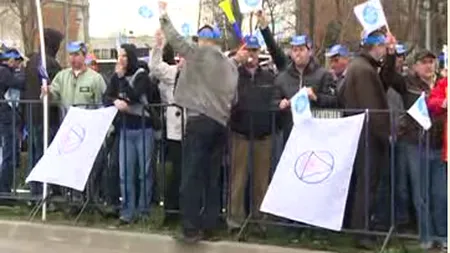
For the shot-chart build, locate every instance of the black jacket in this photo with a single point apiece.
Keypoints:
(120, 88)
(33, 81)
(290, 81)
(255, 111)
(8, 79)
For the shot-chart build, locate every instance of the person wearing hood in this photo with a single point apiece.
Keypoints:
(34, 112)
(130, 90)
(164, 67)
(304, 71)
(8, 81)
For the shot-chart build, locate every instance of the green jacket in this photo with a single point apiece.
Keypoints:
(86, 89)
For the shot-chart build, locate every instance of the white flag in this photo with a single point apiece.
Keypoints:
(69, 159)
(371, 15)
(247, 6)
(300, 106)
(312, 179)
(419, 112)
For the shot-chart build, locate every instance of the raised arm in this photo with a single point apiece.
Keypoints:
(179, 44)
(275, 51)
(158, 68)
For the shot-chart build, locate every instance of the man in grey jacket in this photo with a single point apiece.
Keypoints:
(206, 88)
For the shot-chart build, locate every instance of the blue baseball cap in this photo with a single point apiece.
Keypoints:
(208, 32)
(374, 39)
(400, 49)
(76, 47)
(338, 50)
(251, 42)
(301, 40)
(13, 54)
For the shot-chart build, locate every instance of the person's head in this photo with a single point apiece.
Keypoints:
(300, 50)
(52, 39)
(91, 62)
(168, 55)
(14, 57)
(425, 64)
(77, 54)
(375, 44)
(208, 36)
(339, 57)
(253, 48)
(400, 51)
(128, 58)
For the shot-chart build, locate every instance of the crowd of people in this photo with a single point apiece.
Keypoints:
(223, 99)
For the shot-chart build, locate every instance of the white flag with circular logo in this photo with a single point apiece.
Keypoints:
(247, 6)
(371, 15)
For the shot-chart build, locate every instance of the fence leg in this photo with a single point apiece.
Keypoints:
(387, 239)
(37, 207)
(241, 234)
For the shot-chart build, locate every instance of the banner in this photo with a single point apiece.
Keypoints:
(312, 178)
(69, 159)
(371, 15)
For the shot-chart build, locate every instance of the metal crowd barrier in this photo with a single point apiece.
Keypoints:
(99, 195)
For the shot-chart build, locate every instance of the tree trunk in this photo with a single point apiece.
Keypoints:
(312, 18)
(298, 17)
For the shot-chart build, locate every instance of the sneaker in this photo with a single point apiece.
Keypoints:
(444, 247)
(426, 245)
(189, 237)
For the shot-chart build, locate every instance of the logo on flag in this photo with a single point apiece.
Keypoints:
(145, 12)
(252, 3)
(185, 29)
(370, 14)
(300, 104)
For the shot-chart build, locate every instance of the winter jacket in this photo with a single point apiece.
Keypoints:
(435, 104)
(208, 82)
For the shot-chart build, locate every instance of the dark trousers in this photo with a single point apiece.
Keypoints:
(371, 159)
(172, 188)
(6, 157)
(200, 189)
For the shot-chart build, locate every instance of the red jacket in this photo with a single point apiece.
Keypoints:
(435, 104)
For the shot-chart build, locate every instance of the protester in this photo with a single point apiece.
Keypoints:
(364, 89)
(339, 58)
(130, 91)
(382, 219)
(8, 80)
(437, 103)
(304, 71)
(251, 124)
(78, 85)
(166, 70)
(34, 112)
(206, 88)
(424, 162)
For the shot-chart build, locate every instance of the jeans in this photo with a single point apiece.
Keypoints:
(6, 158)
(429, 189)
(401, 190)
(200, 188)
(136, 147)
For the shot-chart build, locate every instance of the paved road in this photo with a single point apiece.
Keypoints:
(22, 237)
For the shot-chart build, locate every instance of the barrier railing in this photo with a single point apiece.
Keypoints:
(389, 181)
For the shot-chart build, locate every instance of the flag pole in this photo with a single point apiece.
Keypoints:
(45, 99)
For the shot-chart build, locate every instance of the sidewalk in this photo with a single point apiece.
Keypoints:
(23, 237)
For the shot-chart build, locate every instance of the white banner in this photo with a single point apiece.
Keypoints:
(312, 178)
(371, 15)
(69, 159)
